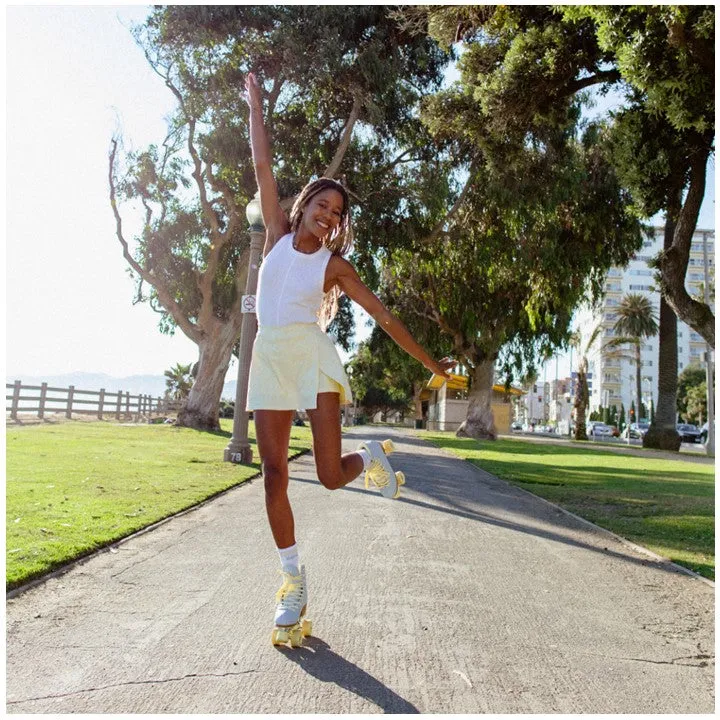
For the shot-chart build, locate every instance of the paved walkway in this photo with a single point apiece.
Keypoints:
(464, 596)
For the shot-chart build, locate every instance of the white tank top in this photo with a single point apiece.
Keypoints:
(290, 284)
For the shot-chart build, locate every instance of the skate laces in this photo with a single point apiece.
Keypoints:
(291, 591)
(377, 473)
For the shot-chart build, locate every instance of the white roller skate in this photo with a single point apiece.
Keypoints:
(290, 623)
(380, 472)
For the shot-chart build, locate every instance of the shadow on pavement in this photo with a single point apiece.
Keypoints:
(444, 483)
(318, 660)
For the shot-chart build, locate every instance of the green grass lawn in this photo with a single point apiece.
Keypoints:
(75, 487)
(666, 506)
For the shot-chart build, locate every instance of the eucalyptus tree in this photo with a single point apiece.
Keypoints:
(532, 237)
(653, 159)
(341, 87)
(540, 218)
(666, 55)
(532, 61)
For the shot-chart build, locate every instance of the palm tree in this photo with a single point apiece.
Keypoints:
(582, 394)
(636, 321)
(179, 380)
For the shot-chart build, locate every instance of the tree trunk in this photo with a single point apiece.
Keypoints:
(479, 423)
(417, 402)
(674, 259)
(202, 409)
(638, 380)
(663, 431)
(581, 400)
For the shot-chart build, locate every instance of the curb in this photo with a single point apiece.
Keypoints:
(15, 592)
(624, 541)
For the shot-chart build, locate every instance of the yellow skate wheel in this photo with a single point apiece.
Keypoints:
(279, 636)
(388, 446)
(296, 638)
(400, 476)
(306, 628)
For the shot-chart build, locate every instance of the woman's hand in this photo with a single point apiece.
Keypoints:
(252, 92)
(443, 367)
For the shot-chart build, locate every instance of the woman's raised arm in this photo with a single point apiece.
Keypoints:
(274, 218)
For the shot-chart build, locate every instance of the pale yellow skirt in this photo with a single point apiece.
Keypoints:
(290, 365)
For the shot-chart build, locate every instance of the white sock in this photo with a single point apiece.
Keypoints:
(290, 559)
(366, 458)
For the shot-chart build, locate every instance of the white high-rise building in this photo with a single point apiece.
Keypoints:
(614, 378)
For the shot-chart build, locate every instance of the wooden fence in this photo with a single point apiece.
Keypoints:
(122, 405)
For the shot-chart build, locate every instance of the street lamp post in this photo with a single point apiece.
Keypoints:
(239, 450)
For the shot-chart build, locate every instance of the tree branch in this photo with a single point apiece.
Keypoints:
(163, 293)
(438, 229)
(602, 76)
(673, 263)
(273, 96)
(345, 138)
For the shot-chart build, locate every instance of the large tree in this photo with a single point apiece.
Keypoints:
(666, 57)
(542, 217)
(531, 60)
(654, 160)
(341, 87)
(532, 237)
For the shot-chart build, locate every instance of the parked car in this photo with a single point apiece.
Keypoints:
(516, 426)
(598, 429)
(636, 430)
(689, 433)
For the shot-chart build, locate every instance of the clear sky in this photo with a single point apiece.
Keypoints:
(74, 75)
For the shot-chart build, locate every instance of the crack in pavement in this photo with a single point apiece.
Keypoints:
(131, 683)
(675, 661)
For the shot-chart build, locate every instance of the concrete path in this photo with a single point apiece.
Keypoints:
(464, 596)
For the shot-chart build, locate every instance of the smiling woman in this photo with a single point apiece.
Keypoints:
(295, 365)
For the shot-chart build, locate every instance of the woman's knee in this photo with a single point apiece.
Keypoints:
(330, 475)
(275, 477)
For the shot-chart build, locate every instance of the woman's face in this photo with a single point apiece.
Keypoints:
(323, 212)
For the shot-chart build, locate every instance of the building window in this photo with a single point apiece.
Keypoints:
(698, 247)
(648, 288)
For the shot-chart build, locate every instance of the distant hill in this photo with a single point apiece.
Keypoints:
(134, 384)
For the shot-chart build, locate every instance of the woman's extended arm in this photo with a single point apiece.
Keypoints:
(275, 220)
(345, 276)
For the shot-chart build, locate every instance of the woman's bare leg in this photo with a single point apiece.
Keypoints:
(333, 469)
(272, 431)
